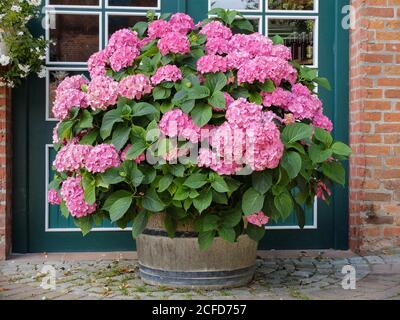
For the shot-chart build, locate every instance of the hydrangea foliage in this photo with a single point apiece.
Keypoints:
(206, 122)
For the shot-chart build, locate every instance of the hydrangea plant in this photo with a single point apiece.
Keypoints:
(20, 52)
(208, 123)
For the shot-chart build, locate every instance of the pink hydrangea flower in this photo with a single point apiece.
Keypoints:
(211, 64)
(237, 59)
(74, 82)
(138, 160)
(135, 87)
(167, 73)
(175, 123)
(158, 29)
(73, 195)
(242, 113)
(281, 51)
(102, 92)
(97, 64)
(66, 100)
(174, 42)
(217, 46)
(102, 157)
(71, 157)
(181, 22)
(122, 38)
(53, 197)
(256, 44)
(322, 121)
(55, 136)
(259, 219)
(123, 57)
(322, 189)
(278, 98)
(216, 29)
(304, 106)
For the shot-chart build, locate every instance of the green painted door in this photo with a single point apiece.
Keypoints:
(314, 32)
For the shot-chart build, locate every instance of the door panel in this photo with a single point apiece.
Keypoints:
(39, 227)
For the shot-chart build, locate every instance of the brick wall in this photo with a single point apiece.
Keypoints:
(375, 125)
(5, 173)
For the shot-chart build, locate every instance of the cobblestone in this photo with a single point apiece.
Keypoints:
(277, 277)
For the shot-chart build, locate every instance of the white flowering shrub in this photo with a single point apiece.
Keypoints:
(20, 52)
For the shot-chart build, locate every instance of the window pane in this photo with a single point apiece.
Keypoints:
(291, 4)
(119, 22)
(76, 37)
(74, 2)
(236, 4)
(298, 35)
(55, 78)
(133, 3)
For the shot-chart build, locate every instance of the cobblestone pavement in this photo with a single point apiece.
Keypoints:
(280, 275)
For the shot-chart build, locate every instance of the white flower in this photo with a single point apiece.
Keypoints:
(20, 33)
(4, 60)
(35, 2)
(16, 8)
(42, 72)
(24, 68)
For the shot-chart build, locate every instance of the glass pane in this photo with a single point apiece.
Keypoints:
(75, 37)
(74, 2)
(55, 78)
(133, 3)
(298, 35)
(236, 4)
(291, 4)
(119, 22)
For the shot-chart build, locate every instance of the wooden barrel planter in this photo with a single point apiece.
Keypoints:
(179, 263)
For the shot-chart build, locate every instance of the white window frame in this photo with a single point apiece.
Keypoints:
(69, 6)
(48, 70)
(55, 12)
(260, 9)
(107, 6)
(315, 32)
(259, 17)
(121, 13)
(315, 10)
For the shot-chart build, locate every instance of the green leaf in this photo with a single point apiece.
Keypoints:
(195, 181)
(256, 98)
(334, 171)
(252, 201)
(219, 198)
(254, 232)
(323, 82)
(112, 176)
(201, 114)
(137, 148)
(217, 100)
(177, 170)
(114, 197)
(277, 39)
(136, 176)
(198, 92)
(215, 81)
(262, 181)
(160, 93)
(152, 202)
(268, 86)
(165, 182)
(284, 203)
(300, 215)
(65, 129)
(203, 201)
(228, 234)
(170, 225)
(206, 239)
(143, 109)
(219, 184)
(232, 184)
(84, 223)
(318, 154)
(182, 193)
(89, 188)
(140, 27)
(243, 25)
(120, 207)
(90, 137)
(64, 209)
(323, 136)
(296, 132)
(120, 136)
(139, 223)
(187, 106)
(291, 162)
(86, 120)
(341, 149)
(110, 118)
(232, 217)
(210, 222)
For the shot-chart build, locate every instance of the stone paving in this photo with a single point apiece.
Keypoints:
(279, 276)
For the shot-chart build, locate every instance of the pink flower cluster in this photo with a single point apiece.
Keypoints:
(212, 63)
(68, 96)
(135, 87)
(102, 92)
(179, 22)
(167, 73)
(217, 37)
(73, 194)
(174, 42)
(175, 123)
(53, 197)
(102, 157)
(74, 156)
(259, 219)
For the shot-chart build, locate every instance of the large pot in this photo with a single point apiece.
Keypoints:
(179, 262)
